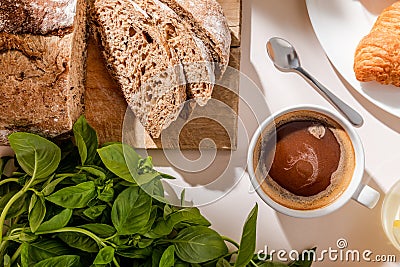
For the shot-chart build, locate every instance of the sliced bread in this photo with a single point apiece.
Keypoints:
(42, 65)
(191, 51)
(140, 60)
(160, 53)
(206, 19)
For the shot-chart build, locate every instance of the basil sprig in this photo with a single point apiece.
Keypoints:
(79, 204)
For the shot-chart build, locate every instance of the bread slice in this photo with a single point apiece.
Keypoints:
(42, 65)
(191, 51)
(140, 60)
(207, 21)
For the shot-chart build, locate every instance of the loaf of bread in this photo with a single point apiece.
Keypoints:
(160, 52)
(160, 56)
(377, 57)
(42, 65)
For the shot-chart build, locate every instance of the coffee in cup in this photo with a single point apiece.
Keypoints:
(304, 160)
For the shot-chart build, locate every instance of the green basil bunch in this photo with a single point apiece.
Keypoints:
(79, 204)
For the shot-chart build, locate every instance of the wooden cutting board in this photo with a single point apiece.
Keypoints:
(107, 111)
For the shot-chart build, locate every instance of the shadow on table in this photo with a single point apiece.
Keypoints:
(226, 167)
(222, 169)
(359, 226)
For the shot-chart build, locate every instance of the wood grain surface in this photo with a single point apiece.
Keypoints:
(107, 111)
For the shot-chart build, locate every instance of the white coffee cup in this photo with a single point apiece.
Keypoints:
(355, 190)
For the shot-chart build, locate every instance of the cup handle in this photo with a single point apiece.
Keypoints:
(366, 196)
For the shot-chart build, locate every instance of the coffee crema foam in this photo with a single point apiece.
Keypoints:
(340, 179)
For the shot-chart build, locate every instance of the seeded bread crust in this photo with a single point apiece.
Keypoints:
(140, 60)
(42, 67)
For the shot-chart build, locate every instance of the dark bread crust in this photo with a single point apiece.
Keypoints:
(42, 79)
(37, 16)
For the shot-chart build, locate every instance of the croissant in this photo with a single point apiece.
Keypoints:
(377, 56)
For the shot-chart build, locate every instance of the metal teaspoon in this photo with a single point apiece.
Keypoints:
(284, 56)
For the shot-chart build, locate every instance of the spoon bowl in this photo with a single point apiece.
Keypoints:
(283, 54)
(285, 58)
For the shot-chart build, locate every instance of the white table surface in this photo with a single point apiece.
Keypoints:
(361, 227)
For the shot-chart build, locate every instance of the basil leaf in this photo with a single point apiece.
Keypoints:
(36, 155)
(111, 143)
(146, 172)
(145, 178)
(135, 253)
(93, 170)
(3, 162)
(131, 211)
(167, 176)
(69, 157)
(179, 263)
(155, 189)
(4, 199)
(7, 261)
(18, 207)
(27, 237)
(107, 195)
(156, 256)
(120, 241)
(168, 257)
(49, 188)
(197, 244)
(120, 159)
(144, 243)
(167, 211)
(48, 180)
(150, 222)
(101, 230)
(72, 197)
(94, 212)
(64, 261)
(42, 249)
(86, 140)
(187, 215)
(56, 222)
(146, 164)
(37, 212)
(183, 194)
(104, 256)
(79, 178)
(248, 240)
(223, 263)
(79, 241)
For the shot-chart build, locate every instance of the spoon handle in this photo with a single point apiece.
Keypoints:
(353, 116)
